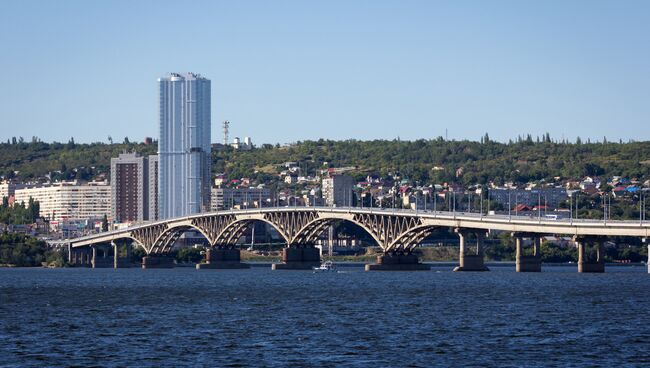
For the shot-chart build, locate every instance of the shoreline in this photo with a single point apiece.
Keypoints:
(348, 263)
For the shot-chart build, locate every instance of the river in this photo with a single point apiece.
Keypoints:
(259, 317)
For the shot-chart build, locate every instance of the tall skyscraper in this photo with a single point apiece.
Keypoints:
(184, 145)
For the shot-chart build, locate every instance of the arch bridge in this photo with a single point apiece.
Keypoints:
(394, 231)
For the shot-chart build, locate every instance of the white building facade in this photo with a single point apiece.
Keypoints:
(184, 145)
(226, 198)
(70, 200)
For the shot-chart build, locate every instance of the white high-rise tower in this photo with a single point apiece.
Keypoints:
(184, 145)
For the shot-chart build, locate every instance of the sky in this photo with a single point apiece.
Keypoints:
(285, 71)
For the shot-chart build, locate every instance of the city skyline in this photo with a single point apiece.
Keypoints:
(290, 71)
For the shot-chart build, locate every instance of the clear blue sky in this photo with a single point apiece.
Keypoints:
(283, 71)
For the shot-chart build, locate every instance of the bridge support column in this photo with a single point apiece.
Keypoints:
(81, 257)
(530, 263)
(300, 257)
(157, 261)
(116, 255)
(93, 259)
(645, 241)
(397, 261)
(103, 261)
(222, 258)
(119, 262)
(471, 262)
(589, 266)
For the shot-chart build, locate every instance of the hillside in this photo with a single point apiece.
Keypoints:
(439, 160)
(422, 160)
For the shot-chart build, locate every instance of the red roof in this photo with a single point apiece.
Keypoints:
(521, 207)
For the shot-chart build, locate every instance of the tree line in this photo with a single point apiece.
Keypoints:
(423, 161)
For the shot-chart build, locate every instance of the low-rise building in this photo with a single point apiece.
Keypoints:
(226, 198)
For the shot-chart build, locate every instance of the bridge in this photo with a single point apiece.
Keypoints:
(396, 232)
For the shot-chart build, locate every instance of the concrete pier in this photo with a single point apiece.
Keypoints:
(222, 259)
(645, 241)
(157, 261)
(121, 262)
(100, 257)
(298, 258)
(397, 262)
(80, 257)
(586, 265)
(471, 262)
(528, 263)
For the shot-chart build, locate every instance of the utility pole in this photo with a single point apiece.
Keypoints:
(330, 247)
(509, 206)
(435, 201)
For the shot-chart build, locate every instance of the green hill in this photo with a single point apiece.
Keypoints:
(424, 161)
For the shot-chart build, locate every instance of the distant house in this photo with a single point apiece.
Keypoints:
(522, 208)
(619, 191)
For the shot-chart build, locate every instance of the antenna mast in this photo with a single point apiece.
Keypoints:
(226, 126)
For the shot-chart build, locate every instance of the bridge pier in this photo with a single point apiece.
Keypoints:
(528, 263)
(103, 261)
(300, 257)
(119, 262)
(222, 258)
(157, 261)
(471, 262)
(645, 241)
(589, 266)
(397, 261)
(80, 257)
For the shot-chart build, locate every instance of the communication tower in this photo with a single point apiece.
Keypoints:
(226, 126)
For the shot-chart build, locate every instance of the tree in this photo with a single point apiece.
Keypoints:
(126, 140)
(33, 208)
(104, 223)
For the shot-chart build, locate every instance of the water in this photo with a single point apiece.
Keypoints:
(258, 317)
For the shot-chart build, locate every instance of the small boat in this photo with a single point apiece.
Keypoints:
(325, 266)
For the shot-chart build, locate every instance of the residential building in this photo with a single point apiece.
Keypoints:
(70, 200)
(338, 190)
(8, 189)
(246, 145)
(549, 197)
(226, 198)
(184, 145)
(152, 182)
(129, 188)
